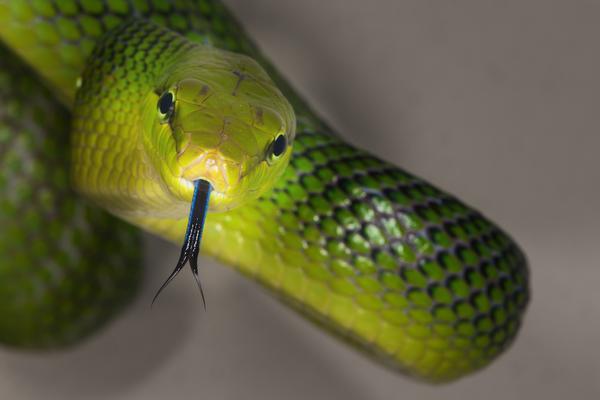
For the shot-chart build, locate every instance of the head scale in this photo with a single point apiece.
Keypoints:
(217, 116)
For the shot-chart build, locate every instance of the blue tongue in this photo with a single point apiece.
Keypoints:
(193, 235)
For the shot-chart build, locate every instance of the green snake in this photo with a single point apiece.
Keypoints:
(166, 94)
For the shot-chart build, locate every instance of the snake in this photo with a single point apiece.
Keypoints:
(127, 114)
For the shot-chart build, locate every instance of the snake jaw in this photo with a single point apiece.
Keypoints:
(212, 167)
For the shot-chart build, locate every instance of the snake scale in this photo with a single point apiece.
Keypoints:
(375, 255)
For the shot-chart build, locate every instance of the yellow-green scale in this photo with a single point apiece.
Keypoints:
(109, 163)
(403, 270)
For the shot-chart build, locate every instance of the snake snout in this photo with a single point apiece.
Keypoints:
(214, 168)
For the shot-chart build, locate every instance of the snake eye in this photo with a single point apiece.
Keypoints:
(278, 147)
(166, 106)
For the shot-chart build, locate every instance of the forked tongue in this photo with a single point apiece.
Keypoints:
(193, 236)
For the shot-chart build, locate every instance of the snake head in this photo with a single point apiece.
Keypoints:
(217, 116)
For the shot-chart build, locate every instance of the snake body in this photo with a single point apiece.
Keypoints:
(58, 281)
(390, 263)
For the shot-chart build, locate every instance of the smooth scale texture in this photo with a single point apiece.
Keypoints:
(402, 270)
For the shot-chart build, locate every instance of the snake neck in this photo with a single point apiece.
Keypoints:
(110, 164)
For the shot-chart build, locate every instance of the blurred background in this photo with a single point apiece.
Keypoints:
(496, 102)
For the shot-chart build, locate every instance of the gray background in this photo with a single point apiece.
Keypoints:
(495, 101)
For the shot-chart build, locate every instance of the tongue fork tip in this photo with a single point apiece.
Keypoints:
(193, 236)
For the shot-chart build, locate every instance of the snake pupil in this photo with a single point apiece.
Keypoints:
(165, 103)
(279, 145)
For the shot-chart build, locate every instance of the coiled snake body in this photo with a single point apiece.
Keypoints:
(385, 260)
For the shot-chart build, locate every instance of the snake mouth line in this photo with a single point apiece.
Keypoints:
(190, 185)
(211, 167)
